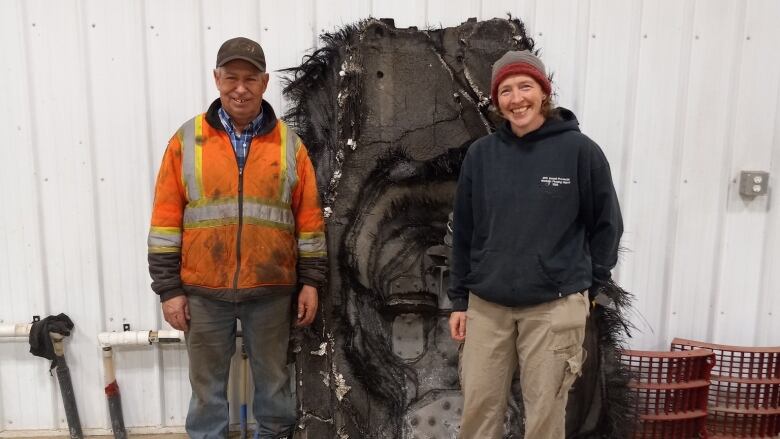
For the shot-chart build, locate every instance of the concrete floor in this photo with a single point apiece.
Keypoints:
(140, 436)
(233, 435)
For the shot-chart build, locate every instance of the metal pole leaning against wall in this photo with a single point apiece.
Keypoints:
(134, 338)
(112, 394)
(22, 331)
(243, 390)
(66, 386)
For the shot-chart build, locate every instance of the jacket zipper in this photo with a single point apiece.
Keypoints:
(240, 224)
(240, 216)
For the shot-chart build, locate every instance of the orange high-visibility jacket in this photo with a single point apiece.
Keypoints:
(232, 235)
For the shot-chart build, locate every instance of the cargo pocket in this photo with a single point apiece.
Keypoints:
(572, 369)
(567, 322)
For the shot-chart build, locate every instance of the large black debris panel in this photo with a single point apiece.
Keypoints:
(387, 115)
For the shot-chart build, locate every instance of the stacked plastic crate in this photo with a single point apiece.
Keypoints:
(670, 392)
(744, 395)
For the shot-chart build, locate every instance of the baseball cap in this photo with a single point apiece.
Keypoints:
(241, 48)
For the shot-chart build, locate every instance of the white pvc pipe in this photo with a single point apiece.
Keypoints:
(16, 330)
(107, 339)
(109, 374)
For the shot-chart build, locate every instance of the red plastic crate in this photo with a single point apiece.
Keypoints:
(669, 392)
(744, 396)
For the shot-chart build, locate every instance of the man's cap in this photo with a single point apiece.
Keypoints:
(241, 48)
(516, 62)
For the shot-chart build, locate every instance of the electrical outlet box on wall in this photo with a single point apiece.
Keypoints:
(753, 183)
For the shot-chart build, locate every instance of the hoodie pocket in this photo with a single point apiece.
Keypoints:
(510, 278)
(490, 263)
(561, 269)
(544, 273)
(503, 266)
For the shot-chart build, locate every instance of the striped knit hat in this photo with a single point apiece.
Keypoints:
(515, 63)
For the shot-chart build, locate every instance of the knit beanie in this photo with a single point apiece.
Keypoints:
(517, 62)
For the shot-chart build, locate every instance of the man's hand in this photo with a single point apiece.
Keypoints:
(307, 306)
(176, 311)
(458, 325)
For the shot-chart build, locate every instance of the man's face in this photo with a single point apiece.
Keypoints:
(241, 86)
(520, 102)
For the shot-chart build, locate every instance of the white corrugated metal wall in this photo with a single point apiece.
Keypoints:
(682, 96)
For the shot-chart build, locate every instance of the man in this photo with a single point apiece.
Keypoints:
(236, 228)
(536, 224)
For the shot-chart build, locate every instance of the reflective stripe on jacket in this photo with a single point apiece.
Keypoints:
(238, 235)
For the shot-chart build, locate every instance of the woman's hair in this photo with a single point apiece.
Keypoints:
(548, 107)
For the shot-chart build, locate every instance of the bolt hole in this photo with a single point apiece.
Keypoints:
(380, 74)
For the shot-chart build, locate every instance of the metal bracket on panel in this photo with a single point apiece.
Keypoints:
(408, 337)
(126, 327)
(437, 415)
(753, 183)
(36, 319)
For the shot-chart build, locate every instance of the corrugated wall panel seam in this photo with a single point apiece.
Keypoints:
(144, 23)
(20, 274)
(152, 166)
(93, 162)
(681, 105)
(766, 250)
(208, 82)
(532, 12)
(156, 381)
(581, 57)
(314, 25)
(35, 146)
(312, 44)
(719, 257)
(606, 84)
(630, 107)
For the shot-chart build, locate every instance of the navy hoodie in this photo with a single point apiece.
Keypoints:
(535, 218)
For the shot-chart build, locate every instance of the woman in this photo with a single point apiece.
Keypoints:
(536, 224)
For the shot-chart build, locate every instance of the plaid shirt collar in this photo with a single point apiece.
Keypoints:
(252, 129)
(240, 141)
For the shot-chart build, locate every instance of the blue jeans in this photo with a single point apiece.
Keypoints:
(211, 343)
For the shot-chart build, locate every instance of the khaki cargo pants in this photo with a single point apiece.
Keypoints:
(544, 340)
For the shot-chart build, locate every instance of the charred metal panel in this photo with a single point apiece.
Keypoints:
(387, 115)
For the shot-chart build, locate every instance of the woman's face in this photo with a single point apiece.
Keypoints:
(520, 101)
